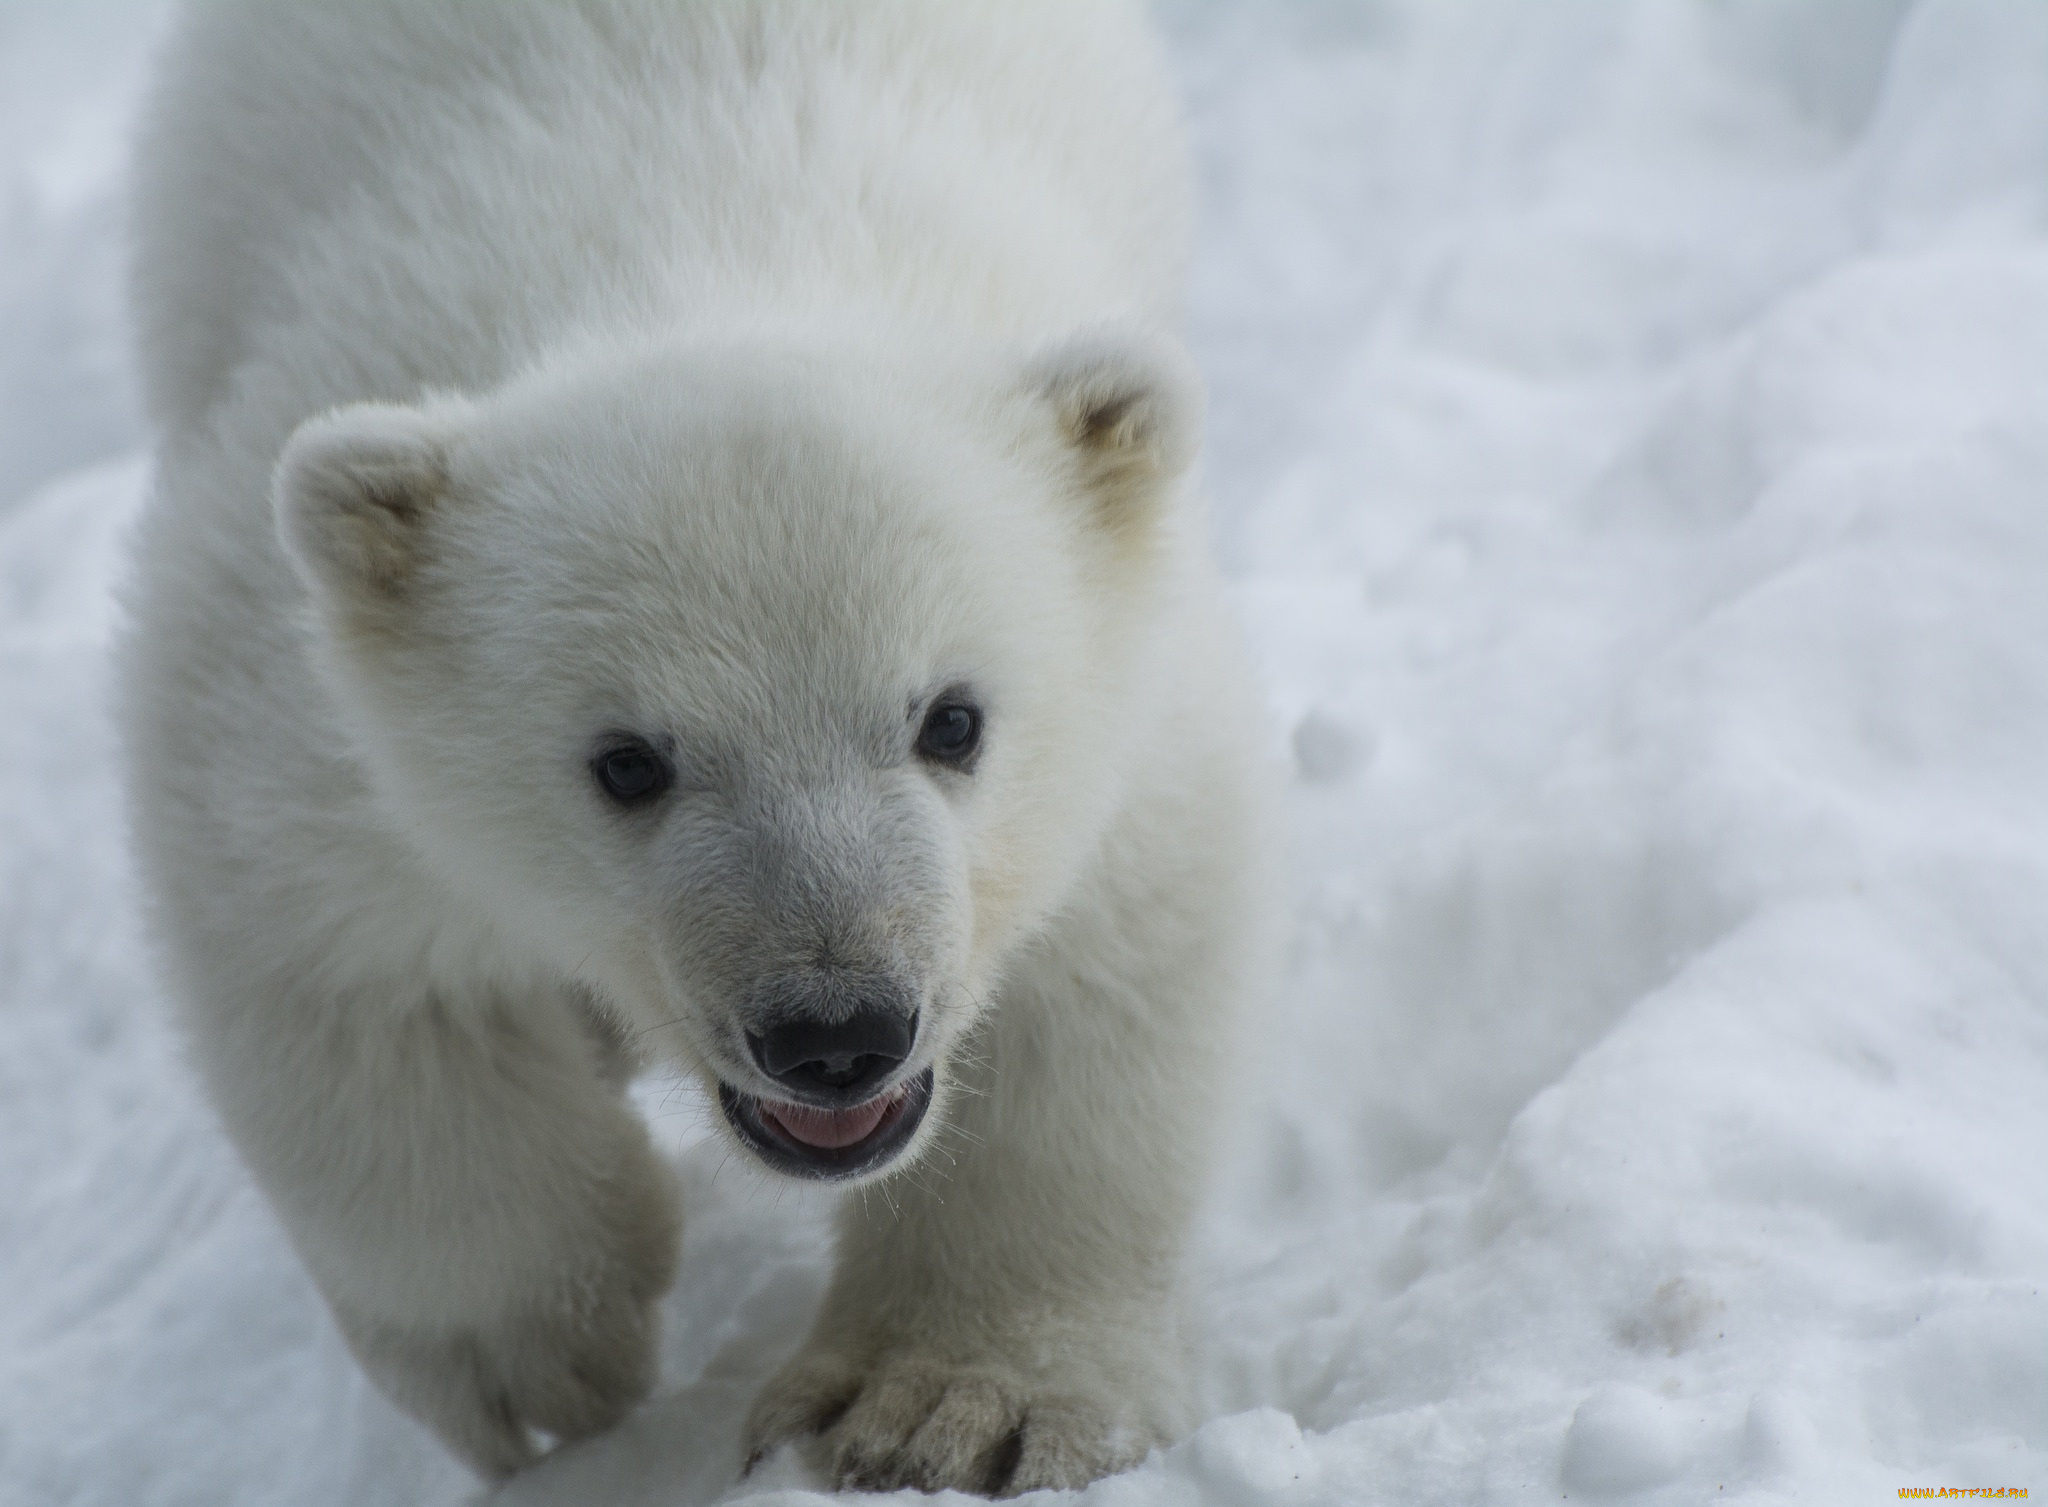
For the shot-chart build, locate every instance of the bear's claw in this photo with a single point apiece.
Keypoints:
(931, 1425)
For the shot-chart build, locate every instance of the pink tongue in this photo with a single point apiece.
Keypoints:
(829, 1129)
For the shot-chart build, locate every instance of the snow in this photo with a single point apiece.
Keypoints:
(1629, 424)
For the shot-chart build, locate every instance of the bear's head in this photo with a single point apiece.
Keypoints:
(774, 698)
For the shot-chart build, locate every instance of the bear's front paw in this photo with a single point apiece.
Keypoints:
(911, 1419)
(516, 1354)
(496, 1394)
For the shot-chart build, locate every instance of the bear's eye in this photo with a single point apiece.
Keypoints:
(631, 773)
(951, 732)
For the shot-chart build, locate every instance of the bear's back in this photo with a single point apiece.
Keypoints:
(366, 200)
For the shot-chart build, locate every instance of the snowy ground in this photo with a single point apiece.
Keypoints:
(1631, 441)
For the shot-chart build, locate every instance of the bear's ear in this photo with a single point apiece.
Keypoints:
(353, 492)
(1130, 410)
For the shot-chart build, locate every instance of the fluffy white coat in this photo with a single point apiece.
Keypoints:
(739, 375)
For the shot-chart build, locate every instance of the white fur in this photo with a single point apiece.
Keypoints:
(743, 372)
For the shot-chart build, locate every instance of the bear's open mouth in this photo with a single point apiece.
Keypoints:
(829, 1144)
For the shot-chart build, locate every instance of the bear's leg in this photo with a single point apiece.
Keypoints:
(485, 1216)
(1006, 1315)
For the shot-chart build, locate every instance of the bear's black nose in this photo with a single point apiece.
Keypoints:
(837, 1062)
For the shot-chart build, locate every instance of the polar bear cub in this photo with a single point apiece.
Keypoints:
(673, 543)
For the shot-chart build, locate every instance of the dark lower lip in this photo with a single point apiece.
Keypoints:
(788, 1155)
